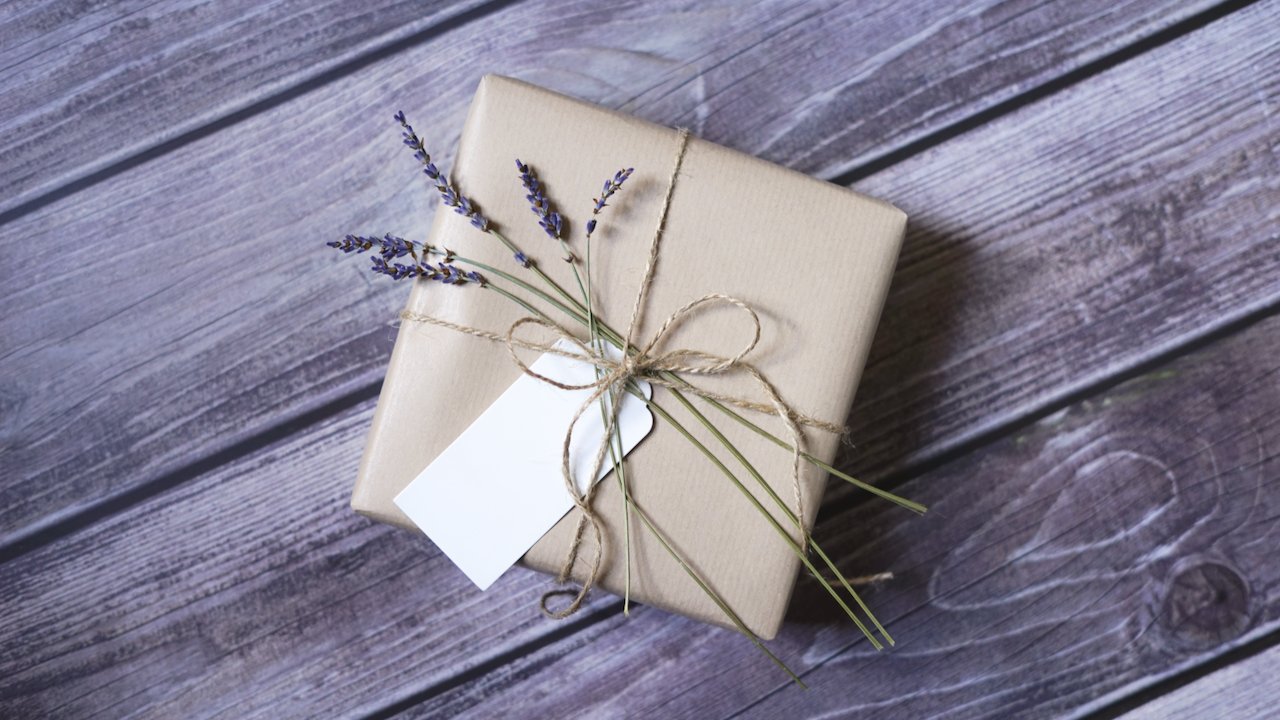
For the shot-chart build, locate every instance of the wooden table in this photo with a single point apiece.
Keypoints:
(1078, 369)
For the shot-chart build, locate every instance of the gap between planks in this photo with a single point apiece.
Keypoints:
(1112, 708)
(235, 117)
(1042, 91)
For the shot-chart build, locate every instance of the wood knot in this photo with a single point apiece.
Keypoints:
(1205, 604)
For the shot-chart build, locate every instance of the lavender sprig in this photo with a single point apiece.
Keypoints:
(391, 247)
(449, 194)
(445, 273)
(548, 219)
(465, 206)
(611, 186)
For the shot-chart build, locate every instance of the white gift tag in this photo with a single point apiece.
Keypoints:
(498, 487)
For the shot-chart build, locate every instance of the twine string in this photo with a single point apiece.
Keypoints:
(654, 366)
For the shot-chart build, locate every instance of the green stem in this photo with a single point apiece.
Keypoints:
(576, 310)
(615, 456)
(763, 511)
(733, 616)
(615, 453)
(885, 494)
(522, 284)
(534, 267)
(613, 337)
(711, 593)
(795, 519)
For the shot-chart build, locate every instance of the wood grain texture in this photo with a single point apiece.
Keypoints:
(252, 591)
(1101, 548)
(84, 85)
(1244, 690)
(1078, 237)
(182, 363)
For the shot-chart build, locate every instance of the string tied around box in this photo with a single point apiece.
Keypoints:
(654, 365)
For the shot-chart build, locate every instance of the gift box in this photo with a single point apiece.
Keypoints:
(814, 260)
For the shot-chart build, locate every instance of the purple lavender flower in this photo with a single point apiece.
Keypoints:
(389, 246)
(353, 243)
(394, 247)
(448, 193)
(395, 271)
(611, 186)
(523, 260)
(446, 273)
(548, 218)
(449, 196)
(450, 274)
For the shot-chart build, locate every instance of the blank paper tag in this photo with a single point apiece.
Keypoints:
(498, 488)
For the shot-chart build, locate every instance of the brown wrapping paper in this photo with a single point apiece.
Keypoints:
(813, 258)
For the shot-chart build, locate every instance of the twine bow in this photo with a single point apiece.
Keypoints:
(651, 363)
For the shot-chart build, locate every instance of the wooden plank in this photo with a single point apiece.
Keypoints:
(85, 85)
(248, 591)
(1246, 689)
(1099, 549)
(230, 348)
(1085, 235)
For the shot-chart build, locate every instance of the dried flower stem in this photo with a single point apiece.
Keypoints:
(577, 312)
(795, 547)
(796, 519)
(604, 329)
(693, 574)
(665, 415)
(737, 621)
(593, 328)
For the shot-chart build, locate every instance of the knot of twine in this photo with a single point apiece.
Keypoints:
(658, 367)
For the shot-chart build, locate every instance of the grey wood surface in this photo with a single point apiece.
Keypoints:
(185, 386)
(1233, 692)
(203, 210)
(89, 85)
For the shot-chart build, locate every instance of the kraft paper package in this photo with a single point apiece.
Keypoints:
(814, 259)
